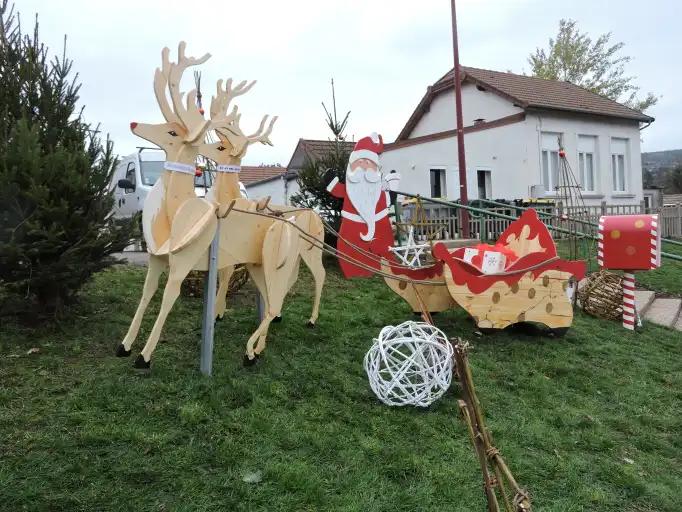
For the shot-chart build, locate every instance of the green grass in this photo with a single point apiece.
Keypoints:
(666, 279)
(590, 422)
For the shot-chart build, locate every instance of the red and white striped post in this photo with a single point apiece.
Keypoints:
(629, 312)
(629, 243)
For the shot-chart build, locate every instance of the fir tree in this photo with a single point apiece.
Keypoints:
(317, 172)
(56, 224)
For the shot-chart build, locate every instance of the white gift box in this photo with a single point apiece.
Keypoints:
(493, 262)
(469, 253)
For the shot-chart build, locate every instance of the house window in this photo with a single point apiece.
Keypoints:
(483, 178)
(619, 164)
(438, 183)
(550, 161)
(587, 162)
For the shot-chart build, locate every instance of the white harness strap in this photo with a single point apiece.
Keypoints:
(179, 167)
(228, 168)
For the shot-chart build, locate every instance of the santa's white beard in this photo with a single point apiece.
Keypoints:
(364, 191)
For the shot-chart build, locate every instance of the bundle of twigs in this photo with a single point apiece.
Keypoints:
(602, 295)
(193, 285)
(496, 473)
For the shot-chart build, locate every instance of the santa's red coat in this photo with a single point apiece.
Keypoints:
(352, 226)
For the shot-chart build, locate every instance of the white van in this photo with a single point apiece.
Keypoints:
(135, 176)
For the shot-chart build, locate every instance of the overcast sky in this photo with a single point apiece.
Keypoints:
(382, 55)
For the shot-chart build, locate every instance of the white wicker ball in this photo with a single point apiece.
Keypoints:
(409, 364)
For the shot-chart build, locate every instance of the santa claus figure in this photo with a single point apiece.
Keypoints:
(365, 233)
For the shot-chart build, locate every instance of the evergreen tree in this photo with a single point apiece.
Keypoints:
(56, 224)
(317, 172)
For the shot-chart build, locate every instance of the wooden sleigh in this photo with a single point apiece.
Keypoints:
(535, 288)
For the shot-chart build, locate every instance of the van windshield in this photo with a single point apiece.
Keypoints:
(152, 169)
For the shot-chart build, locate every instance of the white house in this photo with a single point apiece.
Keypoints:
(282, 185)
(265, 179)
(512, 127)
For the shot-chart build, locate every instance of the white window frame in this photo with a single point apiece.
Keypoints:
(488, 183)
(443, 181)
(618, 164)
(548, 176)
(582, 159)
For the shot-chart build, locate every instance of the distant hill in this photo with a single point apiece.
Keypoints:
(661, 160)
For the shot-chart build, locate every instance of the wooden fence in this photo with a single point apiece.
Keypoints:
(444, 223)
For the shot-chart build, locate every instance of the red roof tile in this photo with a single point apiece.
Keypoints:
(253, 174)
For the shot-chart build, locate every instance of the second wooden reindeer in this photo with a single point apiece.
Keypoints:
(227, 153)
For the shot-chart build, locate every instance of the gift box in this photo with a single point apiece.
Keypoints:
(489, 259)
(493, 262)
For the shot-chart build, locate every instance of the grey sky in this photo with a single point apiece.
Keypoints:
(382, 55)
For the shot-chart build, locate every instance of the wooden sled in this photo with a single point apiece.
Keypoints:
(435, 297)
(533, 289)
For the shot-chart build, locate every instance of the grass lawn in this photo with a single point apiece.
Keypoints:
(667, 278)
(590, 422)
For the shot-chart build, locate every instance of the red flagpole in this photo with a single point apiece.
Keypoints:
(463, 195)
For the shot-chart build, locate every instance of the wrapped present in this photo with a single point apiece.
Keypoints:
(489, 259)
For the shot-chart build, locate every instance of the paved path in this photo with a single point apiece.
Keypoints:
(139, 259)
(664, 311)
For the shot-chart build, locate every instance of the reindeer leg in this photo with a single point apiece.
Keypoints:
(170, 295)
(221, 297)
(280, 259)
(311, 253)
(261, 332)
(313, 259)
(151, 283)
(180, 264)
(256, 273)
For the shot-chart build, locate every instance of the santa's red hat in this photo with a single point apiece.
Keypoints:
(369, 147)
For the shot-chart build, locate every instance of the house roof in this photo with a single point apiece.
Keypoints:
(529, 93)
(254, 174)
(314, 149)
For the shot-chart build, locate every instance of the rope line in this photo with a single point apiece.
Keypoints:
(328, 249)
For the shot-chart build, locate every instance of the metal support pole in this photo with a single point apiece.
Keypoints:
(463, 194)
(208, 321)
(260, 306)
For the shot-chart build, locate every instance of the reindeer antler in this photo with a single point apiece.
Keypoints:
(221, 101)
(260, 135)
(160, 84)
(189, 116)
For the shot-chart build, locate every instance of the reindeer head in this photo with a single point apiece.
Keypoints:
(185, 126)
(233, 143)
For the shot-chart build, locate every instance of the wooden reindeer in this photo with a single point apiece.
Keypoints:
(179, 137)
(227, 153)
(268, 246)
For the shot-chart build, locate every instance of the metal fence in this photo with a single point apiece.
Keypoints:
(444, 223)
